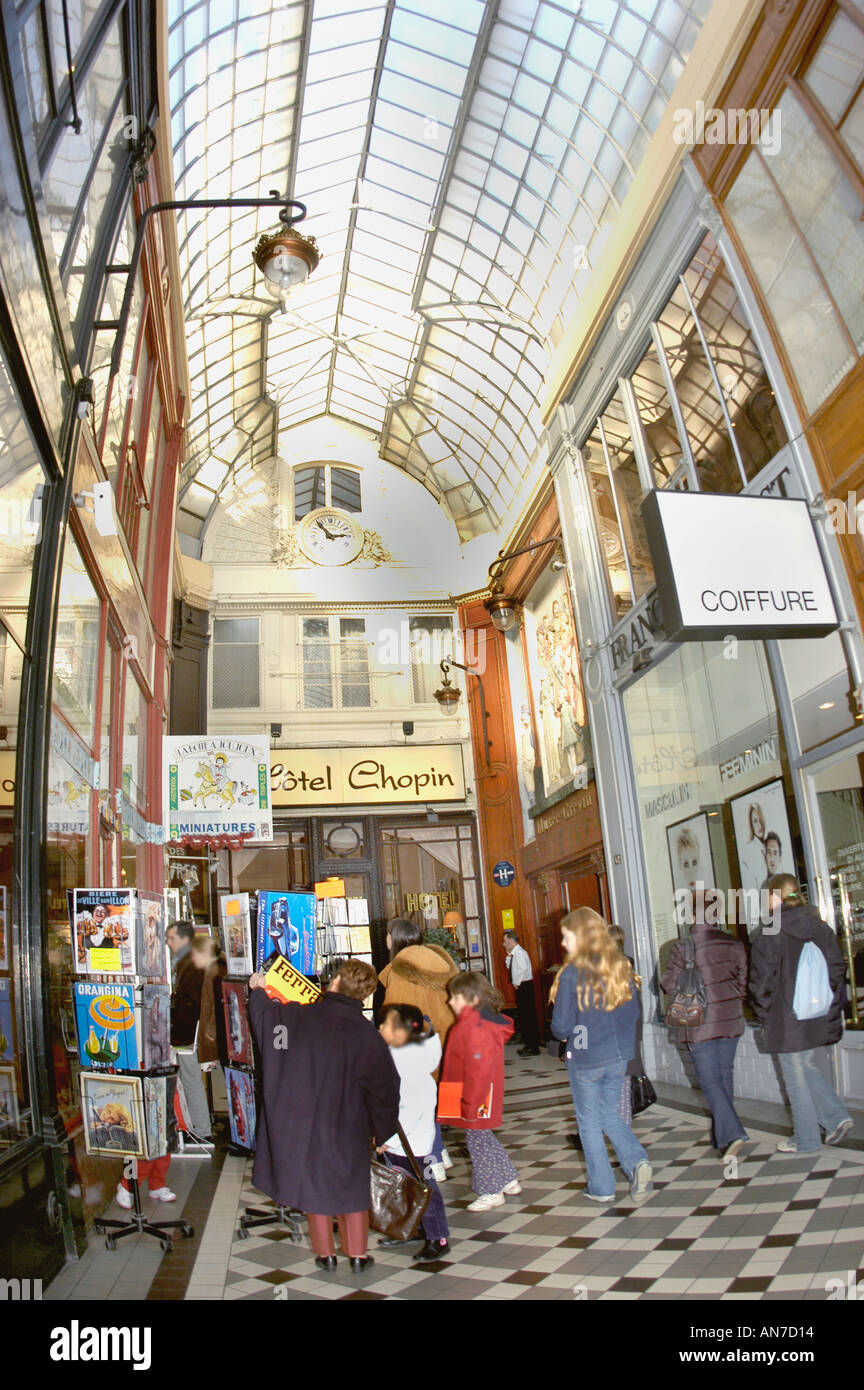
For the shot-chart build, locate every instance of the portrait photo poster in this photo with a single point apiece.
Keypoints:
(763, 838)
(690, 855)
(113, 1112)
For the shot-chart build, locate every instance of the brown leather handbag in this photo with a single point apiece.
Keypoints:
(399, 1199)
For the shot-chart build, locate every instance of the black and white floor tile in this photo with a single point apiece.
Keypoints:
(766, 1227)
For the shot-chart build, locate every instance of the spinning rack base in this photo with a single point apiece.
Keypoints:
(139, 1225)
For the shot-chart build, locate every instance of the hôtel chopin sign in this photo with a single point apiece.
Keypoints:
(366, 776)
(750, 567)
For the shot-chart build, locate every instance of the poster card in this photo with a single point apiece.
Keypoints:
(286, 925)
(215, 785)
(238, 1037)
(104, 931)
(7, 1022)
(113, 1112)
(241, 1107)
(4, 928)
(160, 1120)
(155, 1026)
(105, 1024)
(8, 1107)
(152, 958)
(234, 920)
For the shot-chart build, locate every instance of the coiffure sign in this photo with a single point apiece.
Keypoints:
(747, 567)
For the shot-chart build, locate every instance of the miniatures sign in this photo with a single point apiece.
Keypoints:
(217, 786)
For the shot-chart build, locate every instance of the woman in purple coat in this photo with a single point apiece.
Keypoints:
(329, 1088)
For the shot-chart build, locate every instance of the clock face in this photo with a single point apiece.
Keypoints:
(330, 537)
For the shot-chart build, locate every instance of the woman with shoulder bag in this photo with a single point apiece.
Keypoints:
(721, 959)
(596, 1011)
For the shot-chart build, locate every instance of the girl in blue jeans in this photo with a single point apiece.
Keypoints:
(596, 1012)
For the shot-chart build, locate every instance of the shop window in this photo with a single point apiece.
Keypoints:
(76, 647)
(839, 789)
(431, 639)
(335, 659)
(712, 783)
(236, 662)
(820, 688)
(325, 485)
(134, 770)
(285, 865)
(430, 877)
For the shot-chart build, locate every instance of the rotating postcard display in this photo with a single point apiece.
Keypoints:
(122, 1021)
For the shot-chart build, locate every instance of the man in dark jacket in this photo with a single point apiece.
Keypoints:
(773, 968)
(722, 959)
(185, 1014)
(329, 1088)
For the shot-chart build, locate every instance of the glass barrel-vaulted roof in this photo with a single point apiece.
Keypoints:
(462, 163)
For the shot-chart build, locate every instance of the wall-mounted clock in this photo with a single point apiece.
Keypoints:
(330, 537)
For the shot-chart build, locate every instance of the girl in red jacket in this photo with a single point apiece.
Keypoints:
(474, 1060)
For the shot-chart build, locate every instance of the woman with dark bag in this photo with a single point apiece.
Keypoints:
(722, 961)
(637, 1093)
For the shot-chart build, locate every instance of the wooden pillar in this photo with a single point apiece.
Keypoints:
(499, 809)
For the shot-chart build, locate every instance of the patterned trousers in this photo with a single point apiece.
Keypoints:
(491, 1168)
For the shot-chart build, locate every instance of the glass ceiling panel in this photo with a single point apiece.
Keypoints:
(463, 165)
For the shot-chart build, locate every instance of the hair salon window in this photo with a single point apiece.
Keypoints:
(697, 410)
(711, 776)
(796, 208)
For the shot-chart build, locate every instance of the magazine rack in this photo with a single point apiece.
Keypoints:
(138, 1224)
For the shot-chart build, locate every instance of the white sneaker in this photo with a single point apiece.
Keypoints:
(512, 1189)
(439, 1172)
(123, 1198)
(163, 1194)
(487, 1201)
(446, 1159)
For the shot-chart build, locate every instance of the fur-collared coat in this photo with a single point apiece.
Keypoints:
(419, 975)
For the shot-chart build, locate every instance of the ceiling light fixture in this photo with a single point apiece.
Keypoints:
(448, 696)
(286, 257)
(829, 704)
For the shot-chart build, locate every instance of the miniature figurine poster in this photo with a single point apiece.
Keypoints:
(7, 1024)
(105, 1023)
(155, 1014)
(286, 926)
(238, 1037)
(104, 931)
(152, 962)
(236, 939)
(241, 1107)
(113, 1112)
(217, 785)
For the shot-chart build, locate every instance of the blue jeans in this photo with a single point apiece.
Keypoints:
(596, 1093)
(813, 1099)
(714, 1061)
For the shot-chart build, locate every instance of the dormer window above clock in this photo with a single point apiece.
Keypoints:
(325, 485)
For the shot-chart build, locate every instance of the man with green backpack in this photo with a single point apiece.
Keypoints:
(797, 975)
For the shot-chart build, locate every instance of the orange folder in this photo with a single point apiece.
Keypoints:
(450, 1100)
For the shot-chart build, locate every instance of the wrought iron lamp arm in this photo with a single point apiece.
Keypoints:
(275, 200)
(502, 557)
(445, 667)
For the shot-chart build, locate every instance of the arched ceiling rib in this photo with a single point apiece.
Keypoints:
(463, 164)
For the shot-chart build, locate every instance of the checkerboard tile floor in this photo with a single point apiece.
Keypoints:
(764, 1228)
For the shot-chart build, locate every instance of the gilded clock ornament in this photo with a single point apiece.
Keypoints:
(330, 537)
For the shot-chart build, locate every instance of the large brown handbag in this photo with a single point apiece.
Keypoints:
(399, 1199)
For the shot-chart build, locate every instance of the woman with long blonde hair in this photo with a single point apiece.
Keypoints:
(595, 1014)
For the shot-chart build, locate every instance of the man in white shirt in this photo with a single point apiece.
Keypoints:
(522, 979)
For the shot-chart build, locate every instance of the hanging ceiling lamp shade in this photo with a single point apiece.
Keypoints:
(286, 258)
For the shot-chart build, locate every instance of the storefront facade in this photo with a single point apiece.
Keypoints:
(85, 583)
(717, 761)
